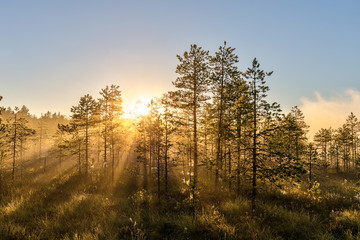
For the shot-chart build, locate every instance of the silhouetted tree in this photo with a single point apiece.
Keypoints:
(19, 131)
(191, 94)
(83, 118)
(223, 72)
(311, 154)
(260, 109)
(111, 110)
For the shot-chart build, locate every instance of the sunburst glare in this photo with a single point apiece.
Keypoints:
(139, 108)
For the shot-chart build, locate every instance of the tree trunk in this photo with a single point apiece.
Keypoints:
(105, 146)
(220, 128)
(310, 171)
(194, 183)
(79, 155)
(86, 147)
(230, 178)
(337, 161)
(238, 159)
(14, 149)
(158, 165)
(254, 154)
(112, 154)
(166, 156)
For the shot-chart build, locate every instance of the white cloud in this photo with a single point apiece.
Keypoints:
(330, 112)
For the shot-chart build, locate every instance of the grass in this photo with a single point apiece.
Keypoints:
(68, 206)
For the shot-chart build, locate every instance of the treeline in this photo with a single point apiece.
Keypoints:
(216, 129)
(340, 147)
(96, 132)
(91, 138)
(25, 137)
(219, 125)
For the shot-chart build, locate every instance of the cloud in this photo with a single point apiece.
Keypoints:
(330, 112)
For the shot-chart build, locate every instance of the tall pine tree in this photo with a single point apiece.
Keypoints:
(191, 94)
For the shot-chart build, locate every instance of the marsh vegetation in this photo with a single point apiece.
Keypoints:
(213, 159)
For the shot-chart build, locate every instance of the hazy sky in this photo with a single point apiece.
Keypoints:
(54, 52)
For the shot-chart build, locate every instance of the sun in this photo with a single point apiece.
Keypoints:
(140, 107)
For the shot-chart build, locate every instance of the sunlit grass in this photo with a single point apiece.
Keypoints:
(13, 205)
(68, 206)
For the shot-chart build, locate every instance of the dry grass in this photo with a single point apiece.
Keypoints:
(69, 206)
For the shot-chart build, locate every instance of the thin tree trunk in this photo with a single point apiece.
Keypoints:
(224, 172)
(337, 161)
(158, 165)
(98, 145)
(229, 156)
(193, 187)
(86, 147)
(238, 160)
(145, 182)
(14, 149)
(112, 154)
(310, 171)
(79, 155)
(105, 136)
(40, 145)
(150, 151)
(166, 156)
(21, 159)
(254, 155)
(220, 128)
(105, 146)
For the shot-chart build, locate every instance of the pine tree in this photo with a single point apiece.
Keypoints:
(344, 139)
(83, 118)
(111, 110)
(224, 71)
(353, 124)
(60, 145)
(322, 138)
(191, 94)
(286, 145)
(19, 131)
(72, 140)
(169, 129)
(311, 155)
(4, 147)
(240, 106)
(260, 110)
(142, 148)
(155, 131)
(298, 130)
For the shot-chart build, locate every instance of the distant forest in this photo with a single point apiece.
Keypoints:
(215, 136)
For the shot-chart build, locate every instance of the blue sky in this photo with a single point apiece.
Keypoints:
(54, 52)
